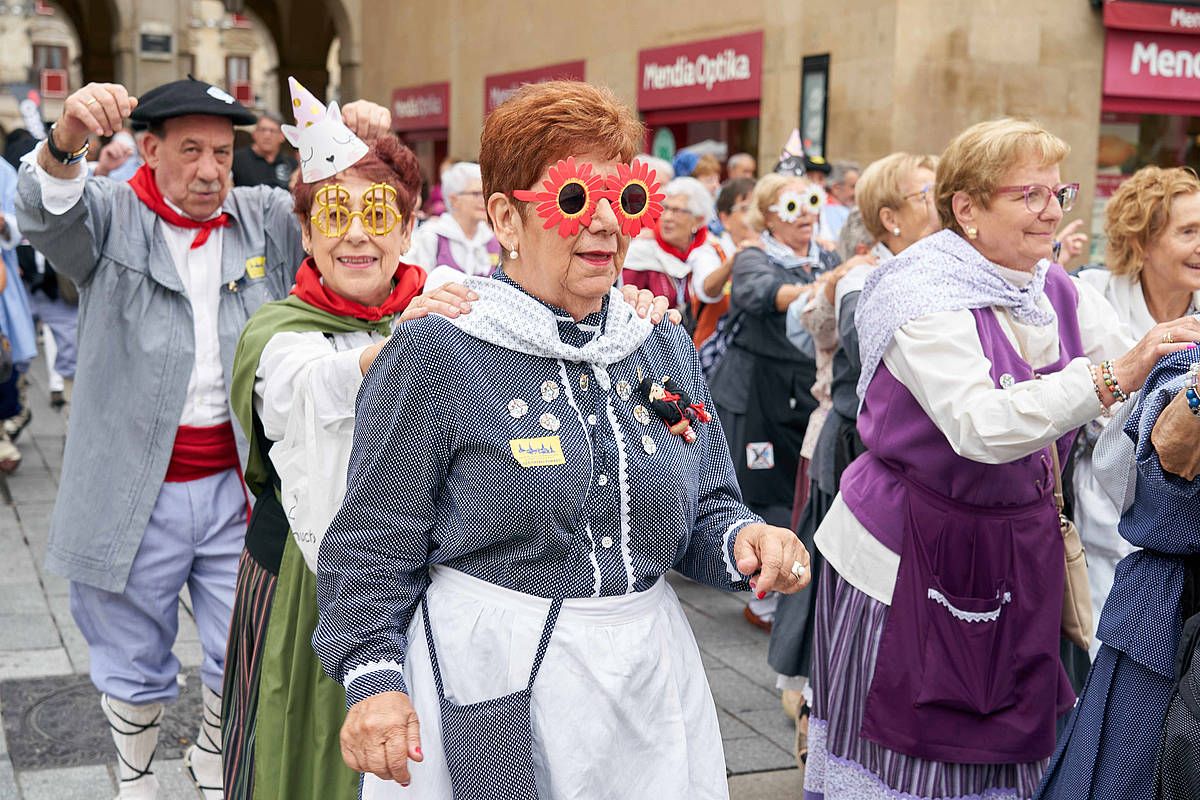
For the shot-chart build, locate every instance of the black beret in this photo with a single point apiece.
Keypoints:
(189, 96)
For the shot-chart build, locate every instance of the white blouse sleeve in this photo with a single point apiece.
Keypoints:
(1104, 333)
(705, 262)
(939, 359)
(291, 358)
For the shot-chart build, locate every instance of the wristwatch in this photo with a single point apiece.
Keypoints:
(61, 156)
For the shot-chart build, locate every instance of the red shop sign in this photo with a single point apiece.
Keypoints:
(1164, 66)
(421, 108)
(726, 70)
(498, 88)
(1152, 17)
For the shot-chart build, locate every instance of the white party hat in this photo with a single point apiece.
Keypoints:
(325, 145)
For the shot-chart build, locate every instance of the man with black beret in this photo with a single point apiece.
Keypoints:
(170, 266)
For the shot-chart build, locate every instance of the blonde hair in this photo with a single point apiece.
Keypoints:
(881, 185)
(1140, 211)
(707, 164)
(977, 159)
(766, 192)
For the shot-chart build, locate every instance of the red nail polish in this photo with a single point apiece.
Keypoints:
(761, 595)
(419, 753)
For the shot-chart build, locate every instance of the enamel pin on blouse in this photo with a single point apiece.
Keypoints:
(673, 406)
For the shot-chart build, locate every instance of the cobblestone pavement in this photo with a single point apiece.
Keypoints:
(53, 742)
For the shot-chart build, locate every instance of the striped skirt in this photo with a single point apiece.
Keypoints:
(243, 662)
(841, 764)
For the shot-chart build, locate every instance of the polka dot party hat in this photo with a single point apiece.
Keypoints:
(324, 143)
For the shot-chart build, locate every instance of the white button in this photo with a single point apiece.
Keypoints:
(607, 541)
(591, 419)
(602, 480)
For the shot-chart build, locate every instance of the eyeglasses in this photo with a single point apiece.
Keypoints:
(477, 194)
(1037, 195)
(923, 193)
(792, 204)
(379, 214)
(676, 210)
(573, 193)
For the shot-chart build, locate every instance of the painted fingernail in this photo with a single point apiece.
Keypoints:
(417, 750)
(1191, 346)
(761, 595)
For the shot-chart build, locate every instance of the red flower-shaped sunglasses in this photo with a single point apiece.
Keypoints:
(573, 192)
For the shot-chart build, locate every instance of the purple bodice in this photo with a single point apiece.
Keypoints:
(901, 438)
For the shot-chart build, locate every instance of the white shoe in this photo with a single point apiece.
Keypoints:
(135, 733)
(10, 456)
(203, 759)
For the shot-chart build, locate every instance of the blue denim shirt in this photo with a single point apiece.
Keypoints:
(136, 352)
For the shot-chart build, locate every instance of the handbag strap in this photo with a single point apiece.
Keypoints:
(1058, 486)
(543, 644)
(1059, 501)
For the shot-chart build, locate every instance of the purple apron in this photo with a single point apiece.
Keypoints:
(445, 258)
(968, 669)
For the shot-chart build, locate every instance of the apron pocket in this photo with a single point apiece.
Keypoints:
(966, 663)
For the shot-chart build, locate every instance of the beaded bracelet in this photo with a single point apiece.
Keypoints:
(1096, 379)
(1189, 389)
(1110, 380)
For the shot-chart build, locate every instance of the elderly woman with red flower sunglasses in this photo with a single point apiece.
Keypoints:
(492, 592)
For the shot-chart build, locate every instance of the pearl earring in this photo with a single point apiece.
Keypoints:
(896, 231)
(512, 254)
(972, 233)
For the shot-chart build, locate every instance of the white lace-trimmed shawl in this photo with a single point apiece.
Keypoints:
(507, 317)
(942, 272)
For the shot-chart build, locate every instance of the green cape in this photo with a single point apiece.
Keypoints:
(292, 315)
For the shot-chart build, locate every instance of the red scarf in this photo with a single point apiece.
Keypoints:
(146, 189)
(410, 279)
(699, 239)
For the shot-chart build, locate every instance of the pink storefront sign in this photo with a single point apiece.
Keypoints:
(725, 70)
(1152, 66)
(498, 88)
(421, 108)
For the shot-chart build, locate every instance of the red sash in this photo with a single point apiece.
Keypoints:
(200, 452)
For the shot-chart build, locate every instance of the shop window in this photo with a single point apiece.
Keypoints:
(814, 102)
(49, 68)
(237, 78)
(1129, 142)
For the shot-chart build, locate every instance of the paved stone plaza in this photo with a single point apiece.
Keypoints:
(54, 744)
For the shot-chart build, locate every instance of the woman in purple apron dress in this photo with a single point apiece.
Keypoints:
(936, 656)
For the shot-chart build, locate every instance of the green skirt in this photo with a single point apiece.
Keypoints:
(298, 715)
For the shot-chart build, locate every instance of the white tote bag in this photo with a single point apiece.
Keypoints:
(312, 460)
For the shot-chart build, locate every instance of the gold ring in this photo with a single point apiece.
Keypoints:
(1168, 338)
(91, 101)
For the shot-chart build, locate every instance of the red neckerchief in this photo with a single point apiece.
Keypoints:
(410, 279)
(146, 189)
(700, 238)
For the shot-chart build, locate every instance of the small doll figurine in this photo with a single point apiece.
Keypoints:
(673, 406)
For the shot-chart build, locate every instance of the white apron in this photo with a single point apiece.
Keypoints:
(621, 709)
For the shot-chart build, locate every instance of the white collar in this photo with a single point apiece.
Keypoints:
(509, 318)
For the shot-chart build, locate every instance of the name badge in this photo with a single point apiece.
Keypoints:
(544, 451)
(256, 267)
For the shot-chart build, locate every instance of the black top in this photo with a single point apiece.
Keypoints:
(251, 169)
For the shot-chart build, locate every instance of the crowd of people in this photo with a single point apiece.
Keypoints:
(423, 475)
